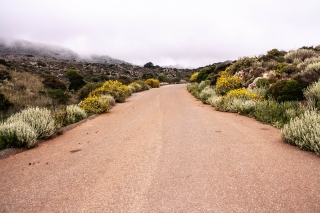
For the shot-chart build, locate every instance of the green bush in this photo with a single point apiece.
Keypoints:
(76, 80)
(5, 104)
(303, 131)
(286, 90)
(263, 82)
(277, 114)
(116, 89)
(4, 74)
(39, 119)
(17, 134)
(143, 85)
(86, 89)
(53, 82)
(202, 75)
(154, 83)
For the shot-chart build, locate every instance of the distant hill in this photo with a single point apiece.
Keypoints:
(35, 49)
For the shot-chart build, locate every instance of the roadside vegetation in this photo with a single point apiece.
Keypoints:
(37, 107)
(279, 88)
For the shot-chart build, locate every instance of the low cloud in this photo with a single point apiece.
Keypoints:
(188, 33)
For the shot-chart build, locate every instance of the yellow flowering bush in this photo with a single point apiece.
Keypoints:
(135, 87)
(242, 93)
(194, 77)
(226, 83)
(95, 104)
(154, 83)
(119, 91)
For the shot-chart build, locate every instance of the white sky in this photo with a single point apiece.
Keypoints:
(167, 32)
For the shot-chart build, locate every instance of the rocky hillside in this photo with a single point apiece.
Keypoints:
(44, 59)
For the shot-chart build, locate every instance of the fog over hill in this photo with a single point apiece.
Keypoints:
(28, 48)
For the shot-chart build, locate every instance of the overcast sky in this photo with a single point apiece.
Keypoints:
(167, 32)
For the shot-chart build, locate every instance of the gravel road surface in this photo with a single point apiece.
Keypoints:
(163, 151)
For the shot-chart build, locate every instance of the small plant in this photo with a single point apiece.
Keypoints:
(143, 85)
(154, 83)
(312, 94)
(75, 113)
(135, 87)
(226, 83)
(97, 104)
(86, 89)
(116, 89)
(53, 82)
(300, 54)
(17, 133)
(303, 131)
(5, 104)
(206, 93)
(286, 90)
(194, 76)
(76, 80)
(39, 119)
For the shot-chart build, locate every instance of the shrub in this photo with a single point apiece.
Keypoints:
(242, 93)
(17, 133)
(143, 85)
(226, 83)
(58, 96)
(135, 87)
(202, 75)
(206, 93)
(39, 119)
(194, 76)
(300, 54)
(262, 82)
(75, 113)
(86, 89)
(272, 112)
(241, 64)
(311, 73)
(286, 90)
(308, 61)
(4, 74)
(312, 94)
(116, 89)
(53, 82)
(234, 100)
(303, 131)
(76, 80)
(215, 101)
(273, 54)
(5, 104)
(154, 83)
(95, 104)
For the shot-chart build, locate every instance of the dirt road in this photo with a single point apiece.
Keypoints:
(163, 151)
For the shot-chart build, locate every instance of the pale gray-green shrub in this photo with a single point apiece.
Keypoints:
(75, 113)
(38, 118)
(17, 133)
(312, 94)
(107, 99)
(206, 93)
(308, 61)
(246, 107)
(303, 131)
(300, 54)
(215, 101)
